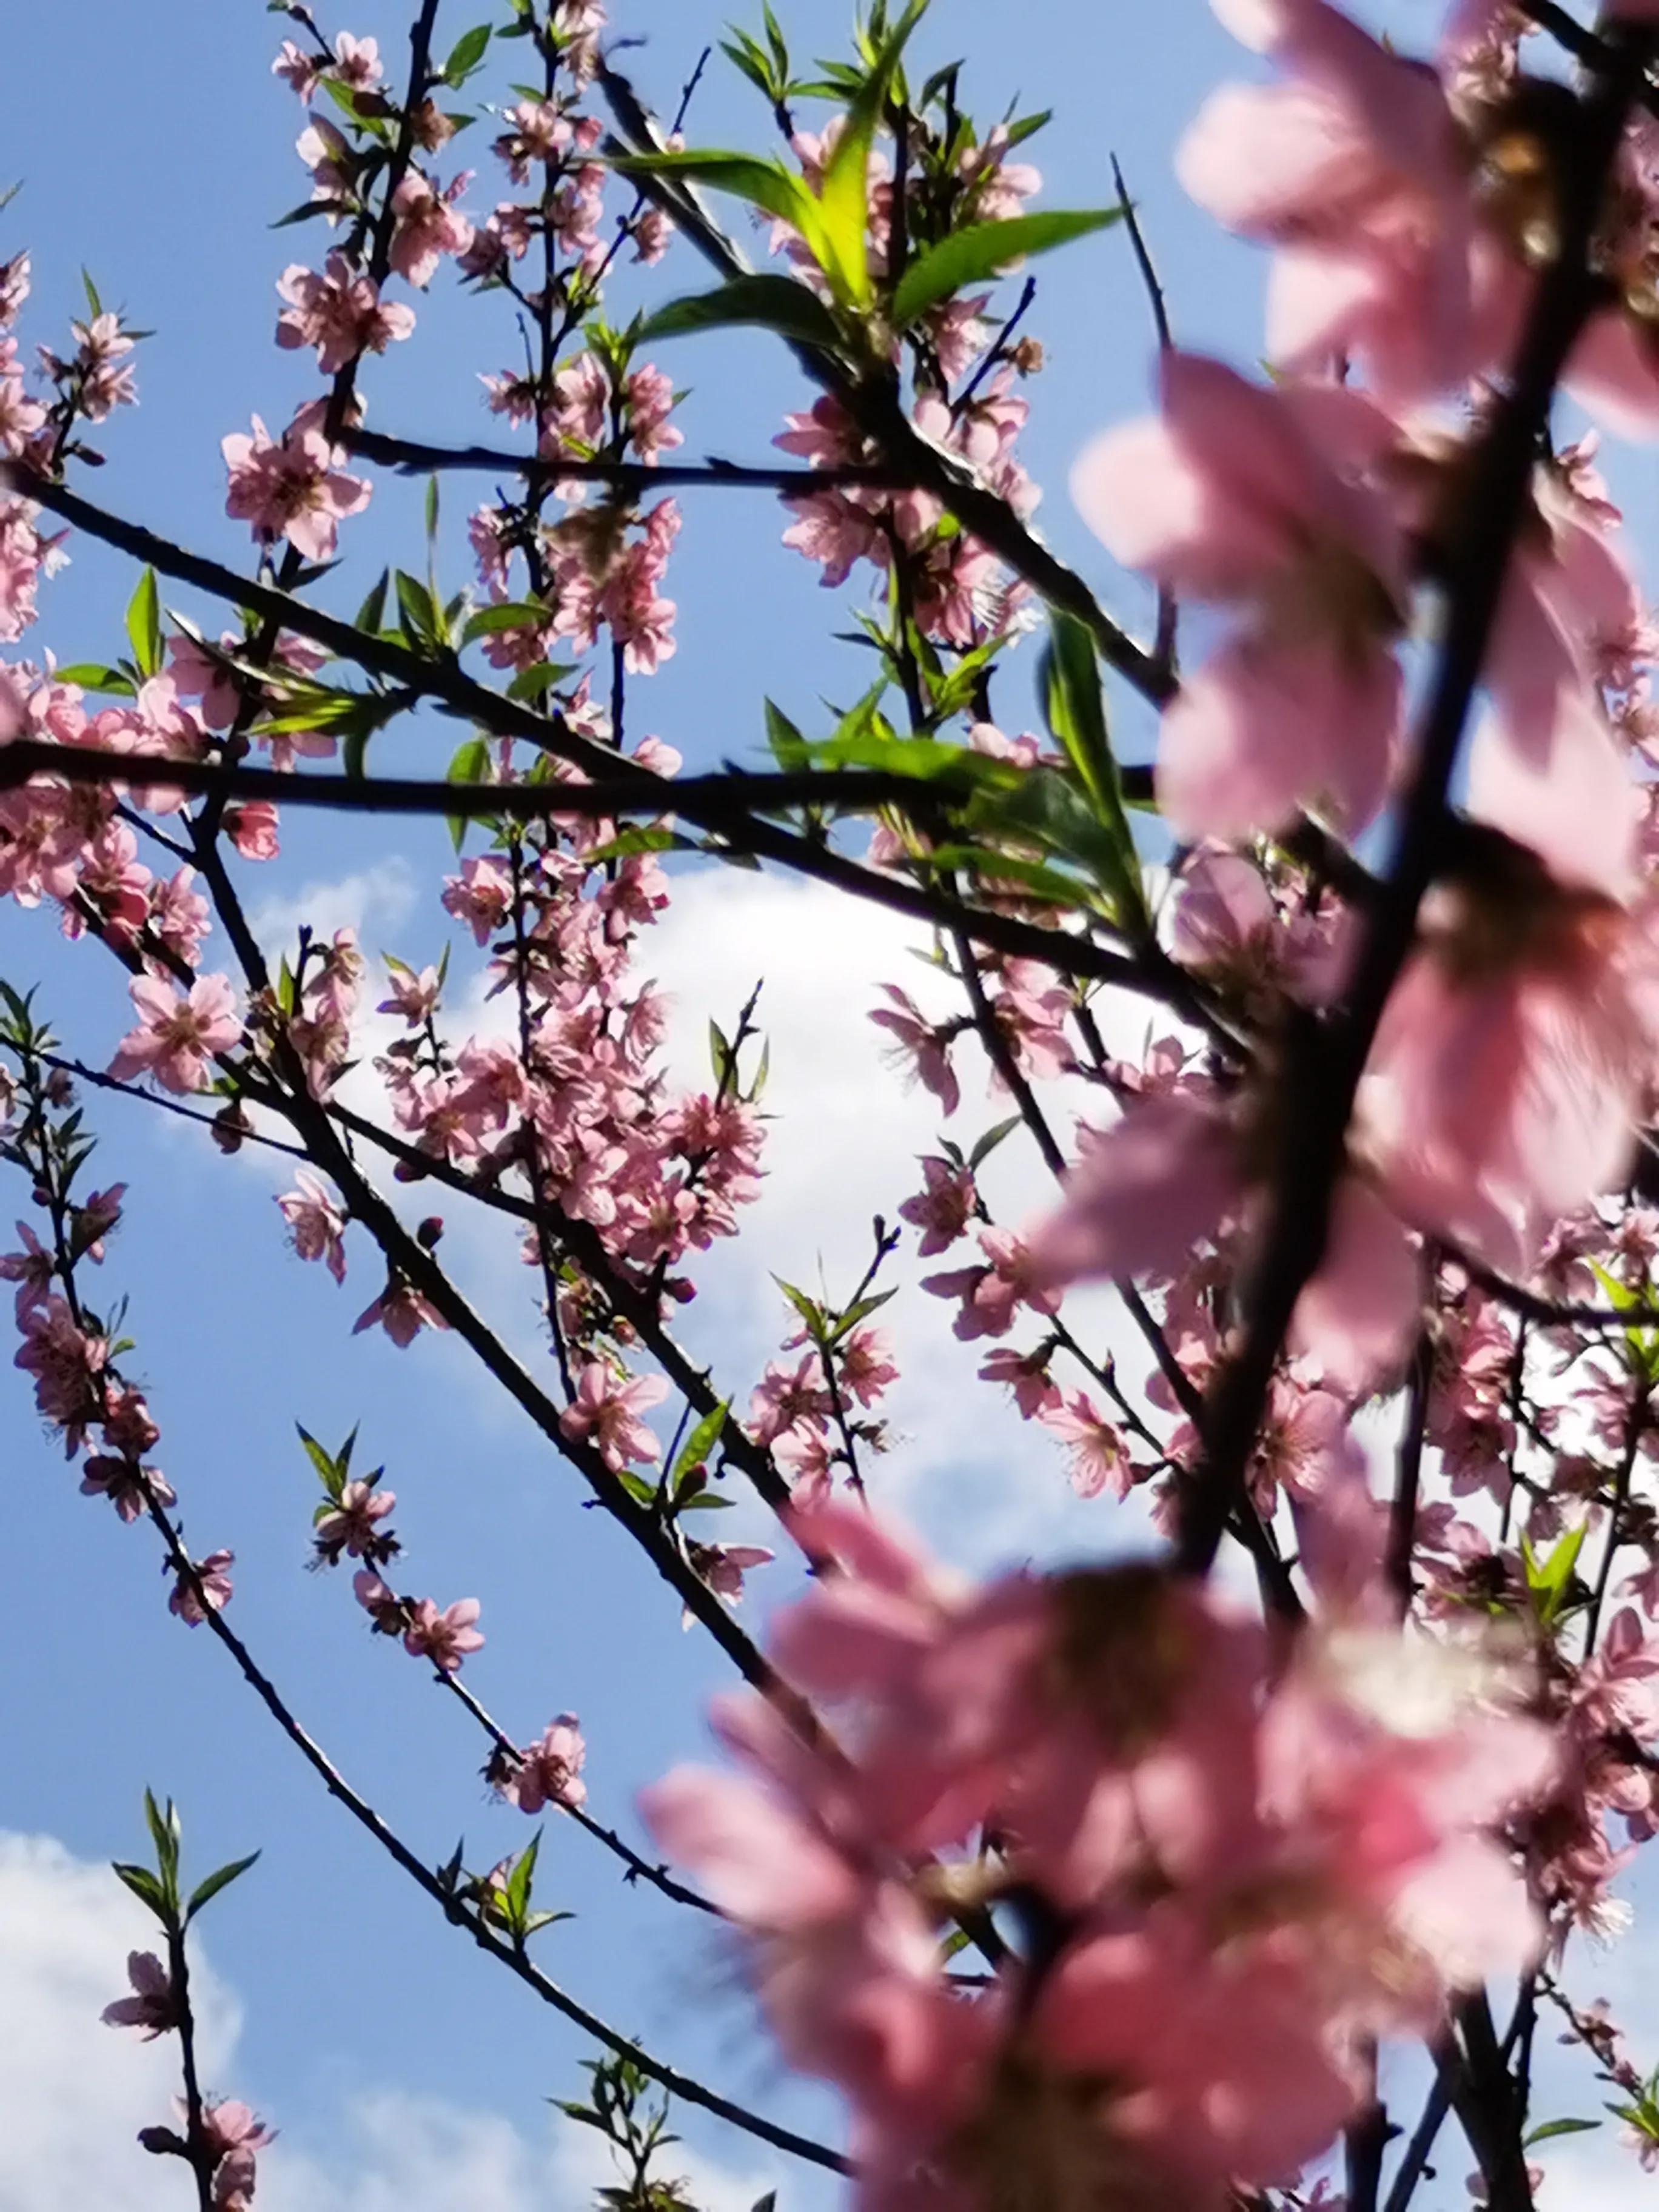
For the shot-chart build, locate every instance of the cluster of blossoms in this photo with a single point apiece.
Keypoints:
(1227, 1866)
(66, 1349)
(229, 2135)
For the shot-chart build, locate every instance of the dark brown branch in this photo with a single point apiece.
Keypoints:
(413, 458)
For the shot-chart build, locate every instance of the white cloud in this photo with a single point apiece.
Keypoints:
(842, 1145)
(74, 2094)
(378, 897)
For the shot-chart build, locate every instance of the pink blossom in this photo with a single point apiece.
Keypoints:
(1511, 1062)
(340, 314)
(292, 487)
(723, 1567)
(1172, 1174)
(314, 1216)
(865, 1364)
(150, 2008)
(384, 1608)
(1228, 499)
(785, 1396)
(350, 1523)
(1095, 1452)
(1026, 1375)
(922, 1047)
(252, 824)
(32, 1270)
(1354, 170)
(177, 1037)
(427, 226)
(945, 1206)
(446, 1637)
(207, 1590)
(1012, 1276)
(413, 996)
(549, 1770)
(607, 1408)
(402, 1312)
(129, 1488)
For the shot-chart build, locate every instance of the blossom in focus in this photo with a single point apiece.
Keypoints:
(151, 2006)
(402, 1312)
(445, 1637)
(177, 1035)
(549, 1771)
(208, 1589)
(316, 1221)
(607, 1409)
(293, 486)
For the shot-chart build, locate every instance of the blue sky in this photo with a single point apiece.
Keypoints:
(157, 157)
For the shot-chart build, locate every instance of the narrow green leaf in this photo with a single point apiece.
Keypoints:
(843, 197)
(765, 185)
(789, 748)
(466, 54)
(1070, 678)
(205, 1892)
(145, 1887)
(970, 256)
(144, 624)
(329, 1471)
(773, 303)
(372, 613)
(93, 675)
(701, 1441)
(1558, 2128)
(509, 613)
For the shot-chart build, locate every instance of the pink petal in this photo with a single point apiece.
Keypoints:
(1143, 1194)
(1359, 1316)
(1263, 731)
(755, 1859)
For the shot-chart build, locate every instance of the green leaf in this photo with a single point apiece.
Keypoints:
(418, 610)
(331, 1472)
(844, 195)
(164, 1833)
(985, 249)
(145, 1887)
(766, 185)
(431, 509)
(988, 1143)
(144, 624)
(303, 214)
(93, 675)
(789, 748)
(469, 763)
(509, 614)
(466, 54)
(809, 1310)
(774, 303)
(860, 1309)
(1549, 1581)
(701, 1441)
(1077, 714)
(92, 300)
(1558, 2128)
(205, 1892)
(372, 613)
